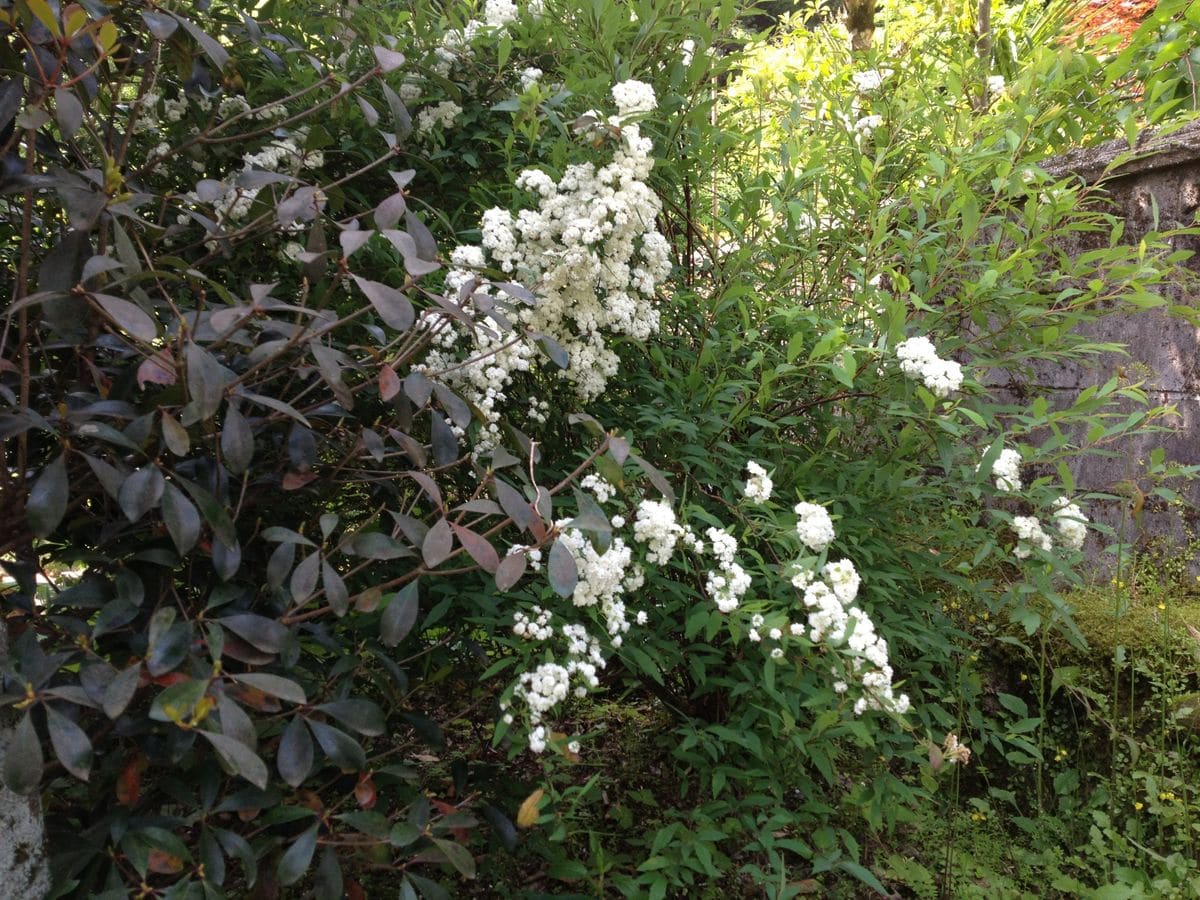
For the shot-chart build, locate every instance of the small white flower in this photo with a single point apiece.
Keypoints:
(814, 526)
(634, 97)
(759, 485)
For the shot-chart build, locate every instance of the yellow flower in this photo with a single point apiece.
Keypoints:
(1138, 805)
(1024, 677)
(1162, 605)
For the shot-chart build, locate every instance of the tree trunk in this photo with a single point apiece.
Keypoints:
(24, 874)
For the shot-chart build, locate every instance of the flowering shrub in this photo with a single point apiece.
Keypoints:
(300, 315)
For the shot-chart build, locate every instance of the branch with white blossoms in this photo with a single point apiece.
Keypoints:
(919, 360)
(1069, 521)
(590, 251)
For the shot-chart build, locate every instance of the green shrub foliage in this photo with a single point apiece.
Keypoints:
(384, 388)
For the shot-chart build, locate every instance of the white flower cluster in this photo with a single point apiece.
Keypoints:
(603, 578)
(655, 525)
(759, 485)
(530, 77)
(1029, 535)
(535, 626)
(835, 620)
(598, 486)
(727, 585)
(634, 97)
(591, 252)
(814, 526)
(869, 80)
(283, 154)
(1070, 522)
(498, 13)
(1006, 470)
(867, 124)
(442, 115)
(919, 359)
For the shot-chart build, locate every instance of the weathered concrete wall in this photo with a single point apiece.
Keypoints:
(24, 874)
(1162, 180)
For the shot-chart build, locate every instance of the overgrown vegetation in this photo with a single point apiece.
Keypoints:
(579, 448)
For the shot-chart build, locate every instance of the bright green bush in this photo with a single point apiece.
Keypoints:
(305, 376)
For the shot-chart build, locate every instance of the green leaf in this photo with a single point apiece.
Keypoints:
(265, 634)
(304, 577)
(235, 845)
(206, 381)
(181, 518)
(372, 823)
(335, 589)
(169, 648)
(343, 751)
(141, 492)
(295, 755)
(328, 883)
(239, 758)
(561, 569)
(127, 316)
(161, 26)
(212, 49)
(214, 513)
(361, 715)
(278, 534)
(457, 855)
(237, 441)
(71, 743)
(47, 503)
(294, 863)
(120, 690)
(178, 702)
(275, 685)
(399, 616)
(23, 758)
(376, 545)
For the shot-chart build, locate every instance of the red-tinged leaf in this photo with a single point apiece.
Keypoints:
(562, 571)
(479, 548)
(510, 570)
(364, 792)
(129, 782)
(429, 486)
(352, 241)
(395, 309)
(389, 382)
(438, 544)
(293, 481)
(163, 863)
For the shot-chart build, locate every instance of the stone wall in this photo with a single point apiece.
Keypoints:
(1160, 179)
